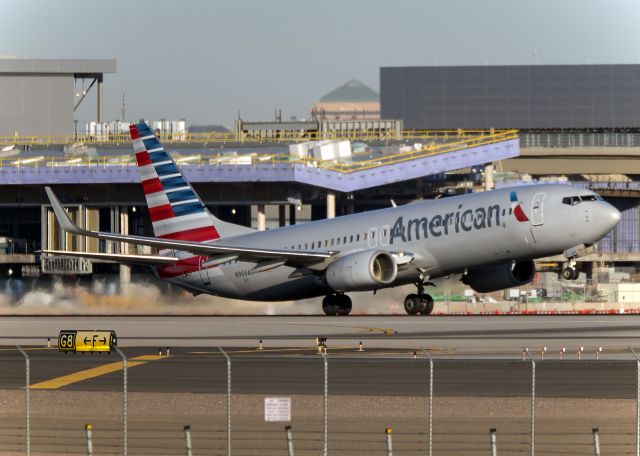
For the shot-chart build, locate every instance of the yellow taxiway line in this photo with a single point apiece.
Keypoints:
(94, 372)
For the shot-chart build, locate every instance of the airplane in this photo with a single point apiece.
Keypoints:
(492, 238)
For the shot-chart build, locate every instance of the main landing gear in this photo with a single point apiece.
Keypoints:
(570, 272)
(421, 303)
(337, 304)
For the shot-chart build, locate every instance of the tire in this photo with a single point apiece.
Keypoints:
(330, 305)
(567, 274)
(426, 304)
(345, 305)
(412, 304)
(575, 274)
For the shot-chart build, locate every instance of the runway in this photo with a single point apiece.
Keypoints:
(300, 371)
(492, 336)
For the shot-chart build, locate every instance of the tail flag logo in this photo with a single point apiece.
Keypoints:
(516, 206)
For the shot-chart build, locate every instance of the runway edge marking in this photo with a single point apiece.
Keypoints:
(76, 377)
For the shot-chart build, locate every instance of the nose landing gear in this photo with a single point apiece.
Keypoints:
(337, 304)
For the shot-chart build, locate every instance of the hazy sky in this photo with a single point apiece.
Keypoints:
(207, 60)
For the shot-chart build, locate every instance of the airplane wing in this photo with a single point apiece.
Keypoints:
(197, 248)
(145, 260)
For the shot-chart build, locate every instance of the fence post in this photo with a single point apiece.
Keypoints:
(430, 401)
(326, 404)
(27, 418)
(289, 435)
(187, 439)
(637, 401)
(388, 432)
(596, 440)
(88, 429)
(124, 401)
(228, 400)
(494, 446)
(533, 404)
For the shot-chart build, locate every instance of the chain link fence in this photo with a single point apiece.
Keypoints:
(211, 402)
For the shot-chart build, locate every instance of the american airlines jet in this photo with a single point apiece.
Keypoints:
(491, 238)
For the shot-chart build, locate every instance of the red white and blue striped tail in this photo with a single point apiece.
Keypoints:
(175, 209)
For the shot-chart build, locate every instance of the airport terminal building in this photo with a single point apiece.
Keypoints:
(524, 97)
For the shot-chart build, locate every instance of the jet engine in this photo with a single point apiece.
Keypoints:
(500, 276)
(362, 271)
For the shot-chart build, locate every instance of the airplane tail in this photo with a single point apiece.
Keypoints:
(176, 211)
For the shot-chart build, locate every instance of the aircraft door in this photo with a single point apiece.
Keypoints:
(537, 209)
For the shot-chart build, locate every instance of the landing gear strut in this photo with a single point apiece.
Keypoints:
(421, 303)
(337, 304)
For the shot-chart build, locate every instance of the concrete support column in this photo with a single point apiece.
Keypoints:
(488, 177)
(331, 205)
(262, 218)
(125, 270)
(292, 214)
(282, 215)
(100, 96)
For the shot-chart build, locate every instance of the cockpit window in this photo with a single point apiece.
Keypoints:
(571, 200)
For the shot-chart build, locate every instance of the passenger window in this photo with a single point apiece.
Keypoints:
(345, 240)
(338, 241)
(325, 243)
(351, 238)
(358, 237)
(299, 246)
(306, 246)
(365, 236)
(510, 210)
(503, 212)
(313, 245)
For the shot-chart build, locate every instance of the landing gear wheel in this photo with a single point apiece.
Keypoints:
(570, 274)
(345, 305)
(426, 304)
(337, 304)
(412, 304)
(330, 305)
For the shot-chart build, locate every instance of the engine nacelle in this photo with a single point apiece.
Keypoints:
(501, 276)
(362, 271)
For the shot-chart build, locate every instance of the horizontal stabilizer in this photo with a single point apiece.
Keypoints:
(148, 260)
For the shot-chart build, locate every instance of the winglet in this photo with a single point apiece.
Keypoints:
(63, 218)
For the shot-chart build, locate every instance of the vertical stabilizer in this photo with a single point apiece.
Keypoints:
(176, 211)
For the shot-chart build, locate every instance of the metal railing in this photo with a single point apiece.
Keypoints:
(431, 149)
(223, 138)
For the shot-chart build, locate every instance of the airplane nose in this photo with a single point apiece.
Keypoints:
(610, 216)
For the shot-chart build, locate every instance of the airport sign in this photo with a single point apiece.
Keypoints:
(87, 341)
(277, 409)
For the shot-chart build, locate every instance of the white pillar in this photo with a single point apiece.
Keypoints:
(331, 205)
(262, 218)
(488, 177)
(125, 269)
